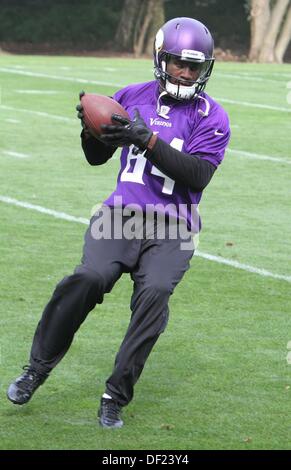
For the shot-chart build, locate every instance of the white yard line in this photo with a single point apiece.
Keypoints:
(247, 74)
(13, 121)
(217, 259)
(120, 85)
(18, 66)
(238, 76)
(38, 92)
(60, 77)
(262, 75)
(39, 113)
(244, 267)
(255, 105)
(242, 153)
(11, 153)
(43, 210)
(258, 156)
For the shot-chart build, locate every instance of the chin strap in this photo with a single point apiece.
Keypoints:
(207, 107)
(162, 110)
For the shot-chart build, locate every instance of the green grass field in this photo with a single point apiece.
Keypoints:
(218, 377)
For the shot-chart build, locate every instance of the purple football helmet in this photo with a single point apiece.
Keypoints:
(188, 40)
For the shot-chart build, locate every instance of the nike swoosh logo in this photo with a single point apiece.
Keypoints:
(218, 133)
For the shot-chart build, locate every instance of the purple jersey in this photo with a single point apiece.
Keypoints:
(199, 127)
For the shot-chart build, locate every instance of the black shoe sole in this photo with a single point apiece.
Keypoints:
(113, 426)
(17, 402)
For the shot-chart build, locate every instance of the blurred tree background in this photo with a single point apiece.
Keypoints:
(255, 29)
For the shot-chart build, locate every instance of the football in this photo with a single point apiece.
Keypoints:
(98, 109)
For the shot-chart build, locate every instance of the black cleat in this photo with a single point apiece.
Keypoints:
(22, 389)
(109, 414)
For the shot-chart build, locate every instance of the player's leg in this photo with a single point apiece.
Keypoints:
(74, 297)
(161, 266)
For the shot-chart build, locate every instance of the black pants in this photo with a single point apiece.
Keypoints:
(156, 266)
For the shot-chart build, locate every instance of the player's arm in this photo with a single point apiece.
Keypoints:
(96, 152)
(189, 170)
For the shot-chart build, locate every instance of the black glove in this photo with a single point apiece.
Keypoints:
(129, 132)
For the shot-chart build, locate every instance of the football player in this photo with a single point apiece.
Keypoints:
(171, 148)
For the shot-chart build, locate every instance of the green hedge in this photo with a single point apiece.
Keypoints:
(87, 23)
(91, 24)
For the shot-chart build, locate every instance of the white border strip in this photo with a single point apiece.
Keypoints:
(217, 259)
